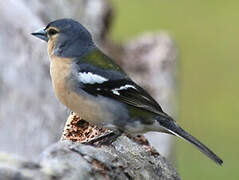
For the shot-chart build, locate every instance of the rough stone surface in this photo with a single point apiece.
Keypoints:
(66, 160)
(16, 168)
(77, 129)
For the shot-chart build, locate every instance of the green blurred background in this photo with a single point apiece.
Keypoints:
(207, 34)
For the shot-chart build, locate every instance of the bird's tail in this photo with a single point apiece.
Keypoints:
(171, 126)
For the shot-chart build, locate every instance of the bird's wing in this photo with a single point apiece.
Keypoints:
(107, 79)
(122, 89)
(126, 91)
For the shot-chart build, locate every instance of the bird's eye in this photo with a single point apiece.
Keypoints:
(52, 32)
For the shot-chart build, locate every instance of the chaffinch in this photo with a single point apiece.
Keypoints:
(93, 86)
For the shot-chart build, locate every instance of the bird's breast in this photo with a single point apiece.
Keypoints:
(86, 106)
(59, 70)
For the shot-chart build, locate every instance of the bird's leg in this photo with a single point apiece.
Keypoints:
(105, 139)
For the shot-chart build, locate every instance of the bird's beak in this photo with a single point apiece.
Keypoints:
(42, 34)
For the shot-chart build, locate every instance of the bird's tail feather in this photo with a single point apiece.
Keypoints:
(175, 129)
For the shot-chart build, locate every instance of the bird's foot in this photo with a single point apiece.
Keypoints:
(105, 139)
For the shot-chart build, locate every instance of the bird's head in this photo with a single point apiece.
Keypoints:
(66, 38)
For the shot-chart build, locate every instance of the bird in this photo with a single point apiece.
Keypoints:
(96, 88)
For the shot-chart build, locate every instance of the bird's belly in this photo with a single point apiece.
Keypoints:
(84, 107)
(99, 110)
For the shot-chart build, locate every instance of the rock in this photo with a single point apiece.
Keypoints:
(66, 160)
(16, 168)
